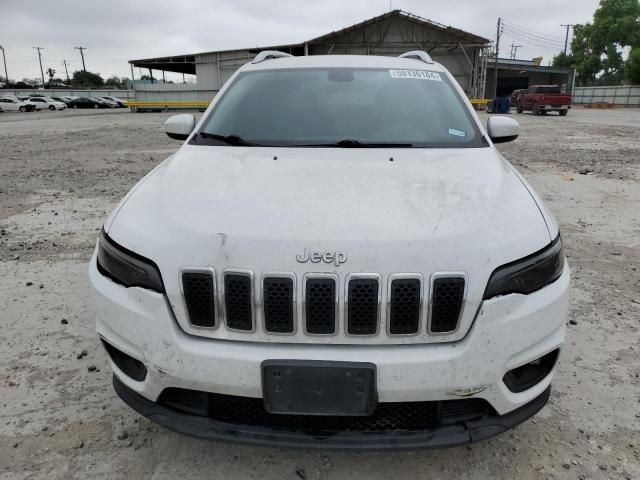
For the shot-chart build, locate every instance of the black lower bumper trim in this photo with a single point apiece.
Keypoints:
(446, 436)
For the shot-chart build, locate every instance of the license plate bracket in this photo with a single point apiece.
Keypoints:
(311, 387)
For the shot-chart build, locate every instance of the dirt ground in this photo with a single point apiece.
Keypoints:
(62, 172)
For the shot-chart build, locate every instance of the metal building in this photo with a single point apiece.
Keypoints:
(462, 53)
(519, 74)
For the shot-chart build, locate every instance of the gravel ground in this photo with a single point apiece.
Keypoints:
(62, 172)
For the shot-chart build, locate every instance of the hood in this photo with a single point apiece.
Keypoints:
(389, 211)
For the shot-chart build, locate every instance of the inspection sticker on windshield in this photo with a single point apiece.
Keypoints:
(419, 74)
(457, 133)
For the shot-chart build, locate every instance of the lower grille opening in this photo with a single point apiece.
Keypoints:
(130, 366)
(394, 416)
(528, 375)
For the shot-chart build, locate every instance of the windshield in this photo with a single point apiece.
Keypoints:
(341, 107)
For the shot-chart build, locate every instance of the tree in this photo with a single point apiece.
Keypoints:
(632, 67)
(596, 48)
(562, 60)
(88, 79)
(51, 72)
(117, 82)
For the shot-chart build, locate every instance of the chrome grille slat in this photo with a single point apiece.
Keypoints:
(405, 305)
(278, 303)
(320, 305)
(448, 291)
(199, 295)
(362, 304)
(238, 300)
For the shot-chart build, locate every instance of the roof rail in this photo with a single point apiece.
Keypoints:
(418, 55)
(269, 55)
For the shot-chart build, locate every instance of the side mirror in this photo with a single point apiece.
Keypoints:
(502, 129)
(180, 126)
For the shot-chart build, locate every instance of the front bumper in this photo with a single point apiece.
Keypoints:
(508, 332)
(440, 437)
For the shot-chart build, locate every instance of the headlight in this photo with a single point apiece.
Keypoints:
(127, 268)
(528, 274)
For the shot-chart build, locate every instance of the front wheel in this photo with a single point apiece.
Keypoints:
(563, 113)
(95, 106)
(52, 108)
(519, 108)
(536, 110)
(75, 106)
(23, 109)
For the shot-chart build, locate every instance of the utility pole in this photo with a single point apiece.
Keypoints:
(40, 60)
(6, 75)
(495, 92)
(566, 36)
(82, 49)
(64, 62)
(514, 50)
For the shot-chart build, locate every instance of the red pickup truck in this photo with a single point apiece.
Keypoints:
(541, 99)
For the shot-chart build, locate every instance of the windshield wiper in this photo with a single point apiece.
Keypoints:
(352, 143)
(234, 140)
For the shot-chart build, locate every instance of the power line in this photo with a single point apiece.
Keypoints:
(530, 31)
(532, 39)
(532, 42)
(40, 60)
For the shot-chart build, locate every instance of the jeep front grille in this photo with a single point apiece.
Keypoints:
(357, 305)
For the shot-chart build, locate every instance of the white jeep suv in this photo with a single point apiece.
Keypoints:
(336, 257)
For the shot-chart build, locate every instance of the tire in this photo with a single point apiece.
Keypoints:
(519, 108)
(536, 110)
(23, 109)
(75, 106)
(563, 113)
(95, 105)
(52, 108)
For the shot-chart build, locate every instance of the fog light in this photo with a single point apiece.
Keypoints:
(526, 376)
(129, 365)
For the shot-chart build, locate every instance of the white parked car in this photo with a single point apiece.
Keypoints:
(13, 104)
(336, 257)
(46, 103)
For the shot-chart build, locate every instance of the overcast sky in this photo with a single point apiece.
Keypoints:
(116, 31)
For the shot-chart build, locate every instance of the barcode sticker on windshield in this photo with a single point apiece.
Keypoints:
(418, 74)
